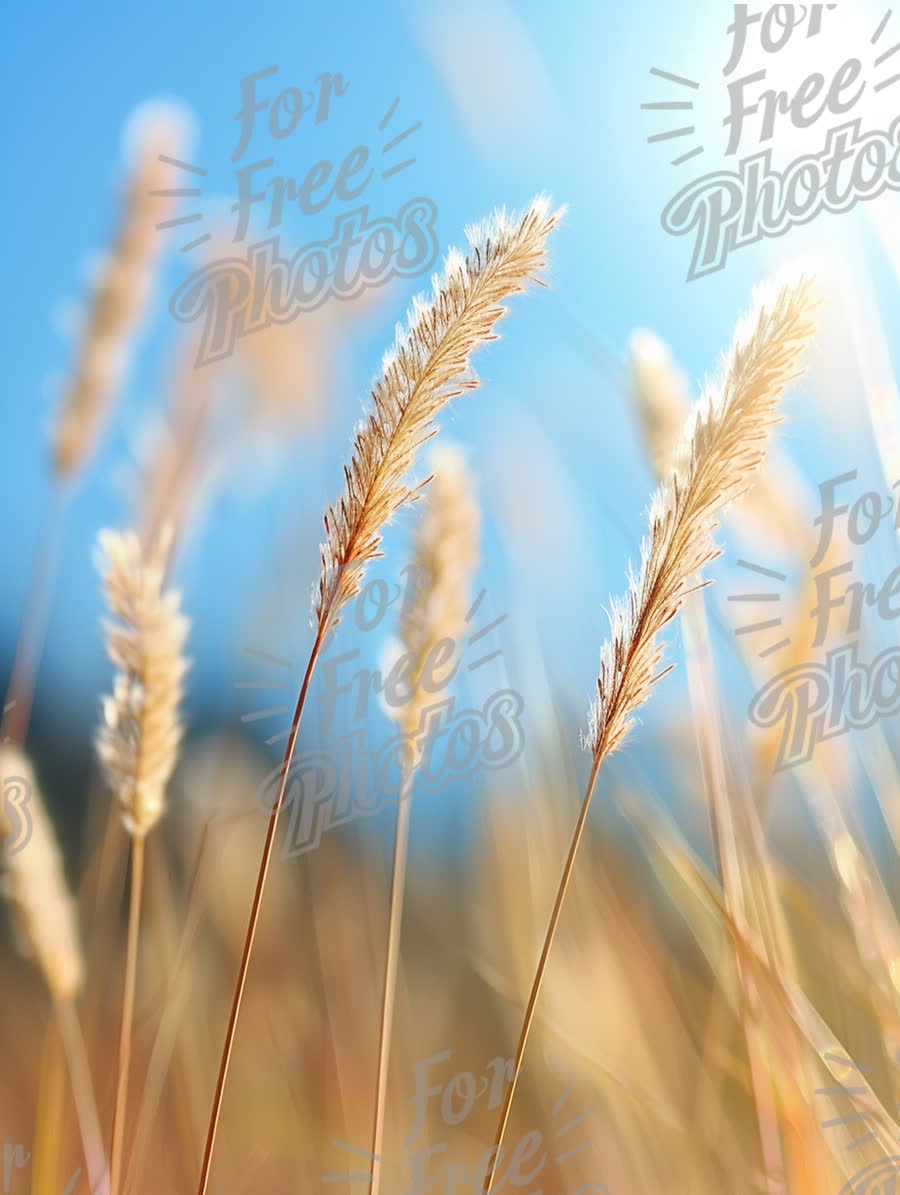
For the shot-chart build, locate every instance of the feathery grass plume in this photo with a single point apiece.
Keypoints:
(744, 866)
(120, 293)
(445, 554)
(662, 401)
(724, 444)
(141, 729)
(427, 367)
(662, 396)
(35, 886)
(776, 502)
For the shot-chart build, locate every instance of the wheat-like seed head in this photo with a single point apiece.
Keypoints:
(662, 398)
(141, 729)
(445, 554)
(724, 444)
(35, 885)
(427, 367)
(120, 294)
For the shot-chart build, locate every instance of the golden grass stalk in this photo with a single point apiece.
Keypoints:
(44, 914)
(661, 398)
(743, 868)
(661, 393)
(120, 295)
(427, 367)
(445, 554)
(139, 736)
(723, 446)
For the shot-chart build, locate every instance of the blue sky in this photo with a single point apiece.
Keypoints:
(536, 98)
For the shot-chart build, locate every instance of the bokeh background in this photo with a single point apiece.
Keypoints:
(513, 99)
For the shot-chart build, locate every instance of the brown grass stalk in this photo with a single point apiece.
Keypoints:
(724, 444)
(427, 367)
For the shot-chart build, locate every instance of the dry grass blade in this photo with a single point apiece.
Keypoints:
(724, 445)
(426, 368)
(708, 905)
(445, 554)
(444, 557)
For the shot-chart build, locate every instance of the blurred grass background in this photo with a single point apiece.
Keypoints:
(645, 1011)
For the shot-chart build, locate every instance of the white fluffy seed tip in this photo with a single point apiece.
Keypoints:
(141, 729)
